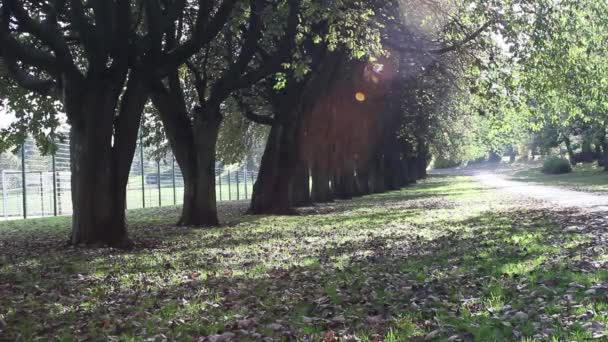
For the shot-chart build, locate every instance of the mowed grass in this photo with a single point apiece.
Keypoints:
(39, 201)
(585, 177)
(445, 259)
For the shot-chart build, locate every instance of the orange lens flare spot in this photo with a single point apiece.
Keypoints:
(359, 96)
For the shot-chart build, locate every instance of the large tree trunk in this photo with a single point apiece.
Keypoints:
(601, 150)
(393, 172)
(200, 204)
(98, 203)
(193, 141)
(321, 192)
(410, 171)
(300, 185)
(271, 191)
(571, 155)
(362, 179)
(377, 184)
(422, 159)
(102, 146)
(605, 155)
(344, 182)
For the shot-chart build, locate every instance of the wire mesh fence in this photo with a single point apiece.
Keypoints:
(34, 185)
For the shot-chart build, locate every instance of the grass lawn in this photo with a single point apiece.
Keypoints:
(442, 260)
(40, 203)
(585, 177)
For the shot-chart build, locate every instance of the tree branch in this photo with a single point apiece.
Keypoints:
(24, 79)
(204, 31)
(251, 115)
(86, 33)
(22, 52)
(46, 31)
(123, 30)
(283, 52)
(226, 84)
(440, 51)
(104, 22)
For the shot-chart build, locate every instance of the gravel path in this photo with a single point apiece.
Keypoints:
(556, 195)
(498, 178)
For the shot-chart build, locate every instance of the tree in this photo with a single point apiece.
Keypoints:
(101, 58)
(82, 54)
(193, 130)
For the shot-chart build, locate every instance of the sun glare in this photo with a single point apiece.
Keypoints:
(360, 96)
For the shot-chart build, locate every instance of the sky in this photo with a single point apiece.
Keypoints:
(6, 118)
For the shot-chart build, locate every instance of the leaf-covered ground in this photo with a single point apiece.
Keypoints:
(442, 260)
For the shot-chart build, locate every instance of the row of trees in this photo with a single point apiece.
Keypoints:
(349, 90)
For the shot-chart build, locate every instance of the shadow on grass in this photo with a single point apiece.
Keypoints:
(291, 283)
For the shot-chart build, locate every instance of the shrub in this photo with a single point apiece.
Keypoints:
(443, 163)
(556, 166)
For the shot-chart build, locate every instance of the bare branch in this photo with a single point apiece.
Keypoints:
(205, 30)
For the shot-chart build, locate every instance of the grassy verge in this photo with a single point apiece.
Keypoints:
(445, 259)
(585, 177)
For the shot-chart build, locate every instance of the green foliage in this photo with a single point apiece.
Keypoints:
(32, 114)
(441, 163)
(556, 165)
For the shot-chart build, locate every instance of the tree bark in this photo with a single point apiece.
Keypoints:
(300, 185)
(321, 192)
(410, 171)
(193, 142)
(345, 182)
(271, 191)
(362, 180)
(571, 155)
(393, 172)
(200, 203)
(605, 154)
(102, 146)
(377, 183)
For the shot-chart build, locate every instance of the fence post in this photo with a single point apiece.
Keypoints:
(54, 166)
(245, 180)
(42, 193)
(238, 195)
(173, 175)
(158, 181)
(229, 189)
(4, 199)
(219, 179)
(143, 176)
(23, 184)
(59, 210)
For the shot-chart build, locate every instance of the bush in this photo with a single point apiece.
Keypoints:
(556, 166)
(443, 163)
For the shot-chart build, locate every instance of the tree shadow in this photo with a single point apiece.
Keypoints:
(294, 284)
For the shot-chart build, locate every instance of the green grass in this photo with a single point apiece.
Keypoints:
(585, 177)
(40, 203)
(445, 257)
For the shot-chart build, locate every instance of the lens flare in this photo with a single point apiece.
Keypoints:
(360, 96)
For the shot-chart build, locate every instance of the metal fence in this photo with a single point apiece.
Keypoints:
(33, 185)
